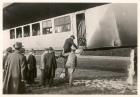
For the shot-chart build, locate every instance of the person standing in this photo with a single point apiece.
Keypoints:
(51, 65)
(32, 69)
(15, 66)
(43, 67)
(6, 53)
(66, 50)
(24, 74)
(71, 65)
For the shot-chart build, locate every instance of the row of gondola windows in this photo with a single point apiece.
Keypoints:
(62, 24)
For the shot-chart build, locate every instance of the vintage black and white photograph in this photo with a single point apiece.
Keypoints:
(70, 48)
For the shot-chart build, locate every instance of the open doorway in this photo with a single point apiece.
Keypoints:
(81, 29)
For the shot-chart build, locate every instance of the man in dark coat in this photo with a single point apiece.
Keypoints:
(66, 50)
(22, 50)
(6, 53)
(32, 69)
(68, 44)
(15, 67)
(51, 65)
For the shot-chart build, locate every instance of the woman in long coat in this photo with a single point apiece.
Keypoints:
(22, 50)
(32, 69)
(15, 68)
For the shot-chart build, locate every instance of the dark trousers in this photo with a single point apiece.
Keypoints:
(30, 77)
(50, 81)
(66, 69)
(43, 79)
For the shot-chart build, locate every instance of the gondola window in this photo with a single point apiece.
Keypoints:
(62, 24)
(26, 30)
(47, 27)
(36, 29)
(12, 33)
(19, 32)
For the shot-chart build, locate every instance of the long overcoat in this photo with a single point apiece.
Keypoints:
(4, 61)
(32, 69)
(50, 64)
(15, 70)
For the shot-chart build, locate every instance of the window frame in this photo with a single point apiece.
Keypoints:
(17, 33)
(39, 29)
(11, 36)
(29, 30)
(50, 28)
(63, 25)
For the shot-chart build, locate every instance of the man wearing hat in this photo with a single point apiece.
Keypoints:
(67, 49)
(15, 67)
(52, 65)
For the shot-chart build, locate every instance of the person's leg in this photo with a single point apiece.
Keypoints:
(29, 77)
(70, 76)
(32, 77)
(66, 69)
(50, 82)
(42, 80)
(47, 81)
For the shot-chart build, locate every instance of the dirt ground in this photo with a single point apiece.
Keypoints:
(87, 81)
(97, 75)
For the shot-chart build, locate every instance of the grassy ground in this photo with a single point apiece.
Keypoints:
(88, 82)
(94, 75)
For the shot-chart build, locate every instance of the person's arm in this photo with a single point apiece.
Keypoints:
(29, 62)
(4, 61)
(74, 44)
(42, 66)
(54, 60)
(23, 68)
(35, 67)
(76, 61)
(35, 60)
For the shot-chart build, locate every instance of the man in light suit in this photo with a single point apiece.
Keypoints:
(66, 50)
(71, 65)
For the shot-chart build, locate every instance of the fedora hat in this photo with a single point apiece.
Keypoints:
(18, 45)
